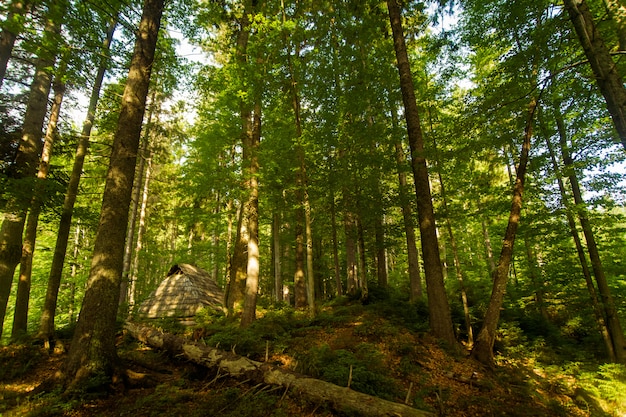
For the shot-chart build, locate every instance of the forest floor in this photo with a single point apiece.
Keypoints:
(371, 344)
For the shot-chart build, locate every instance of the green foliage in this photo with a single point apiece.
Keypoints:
(370, 375)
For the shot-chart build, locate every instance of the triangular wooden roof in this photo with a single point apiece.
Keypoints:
(186, 290)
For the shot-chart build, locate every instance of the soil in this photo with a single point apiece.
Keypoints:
(426, 376)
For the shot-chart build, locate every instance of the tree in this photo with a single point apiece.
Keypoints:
(440, 317)
(27, 159)
(93, 351)
(46, 327)
(604, 69)
(11, 28)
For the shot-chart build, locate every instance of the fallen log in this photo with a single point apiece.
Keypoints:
(339, 398)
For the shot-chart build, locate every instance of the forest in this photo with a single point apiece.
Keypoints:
(417, 202)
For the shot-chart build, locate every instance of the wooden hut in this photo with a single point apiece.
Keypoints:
(186, 290)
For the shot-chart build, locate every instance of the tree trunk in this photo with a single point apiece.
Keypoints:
(483, 348)
(342, 399)
(252, 279)
(238, 264)
(610, 311)
(92, 353)
(46, 327)
(20, 317)
(604, 69)
(439, 309)
(12, 26)
(276, 256)
(134, 270)
(582, 258)
(336, 267)
(238, 275)
(25, 166)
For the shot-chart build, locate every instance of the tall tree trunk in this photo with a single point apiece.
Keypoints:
(483, 348)
(415, 278)
(20, 318)
(604, 69)
(134, 270)
(46, 327)
(130, 245)
(336, 267)
(252, 279)
(238, 276)
(610, 311)
(489, 251)
(26, 163)
(439, 309)
(238, 264)
(276, 256)
(12, 26)
(92, 351)
(351, 232)
(582, 258)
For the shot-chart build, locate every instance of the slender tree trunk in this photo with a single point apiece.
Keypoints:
(25, 166)
(20, 318)
(440, 317)
(604, 69)
(571, 221)
(336, 267)
(12, 26)
(276, 256)
(134, 270)
(238, 264)
(535, 277)
(610, 311)
(46, 327)
(92, 351)
(415, 278)
(489, 251)
(252, 279)
(483, 348)
(130, 245)
(351, 255)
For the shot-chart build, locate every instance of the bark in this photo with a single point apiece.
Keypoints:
(20, 317)
(25, 167)
(351, 255)
(439, 309)
(252, 278)
(46, 327)
(342, 399)
(336, 267)
(604, 69)
(276, 257)
(12, 26)
(488, 249)
(610, 311)
(238, 264)
(92, 352)
(582, 258)
(483, 348)
(239, 272)
(134, 270)
(415, 278)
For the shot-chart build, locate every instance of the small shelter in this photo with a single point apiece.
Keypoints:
(186, 290)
